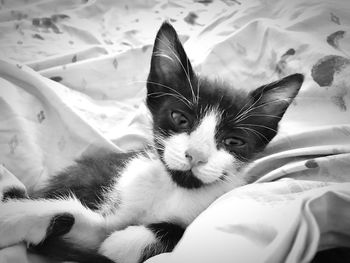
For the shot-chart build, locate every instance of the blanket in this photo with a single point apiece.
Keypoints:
(72, 81)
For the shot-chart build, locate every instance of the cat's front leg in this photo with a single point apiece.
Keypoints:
(138, 243)
(33, 220)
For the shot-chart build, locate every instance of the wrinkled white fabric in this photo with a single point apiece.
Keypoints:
(72, 81)
(284, 221)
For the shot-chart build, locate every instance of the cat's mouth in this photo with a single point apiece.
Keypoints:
(197, 176)
(191, 176)
(186, 179)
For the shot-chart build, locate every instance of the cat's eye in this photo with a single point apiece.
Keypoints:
(180, 120)
(233, 142)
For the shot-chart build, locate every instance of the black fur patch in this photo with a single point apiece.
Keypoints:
(60, 224)
(185, 179)
(167, 234)
(14, 193)
(89, 179)
(59, 249)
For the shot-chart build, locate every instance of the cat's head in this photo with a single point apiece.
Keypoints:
(206, 130)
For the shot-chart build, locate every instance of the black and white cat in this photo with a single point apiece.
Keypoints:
(127, 207)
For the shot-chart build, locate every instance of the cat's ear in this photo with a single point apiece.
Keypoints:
(274, 98)
(169, 61)
(268, 105)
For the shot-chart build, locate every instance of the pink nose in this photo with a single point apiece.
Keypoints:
(196, 157)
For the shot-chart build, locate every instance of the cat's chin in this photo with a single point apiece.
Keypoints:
(185, 179)
(206, 175)
(195, 177)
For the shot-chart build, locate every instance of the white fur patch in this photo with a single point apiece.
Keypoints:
(197, 151)
(202, 139)
(127, 245)
(218, 164)
(175, 152)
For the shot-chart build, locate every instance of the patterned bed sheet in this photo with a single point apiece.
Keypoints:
(72, 81)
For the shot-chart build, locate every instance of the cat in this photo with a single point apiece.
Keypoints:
(127, 207)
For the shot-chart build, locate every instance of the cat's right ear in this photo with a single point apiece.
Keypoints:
(169, 63)
(275, 98)
(269, 103)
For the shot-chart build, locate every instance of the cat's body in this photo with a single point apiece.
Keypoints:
(130, 206)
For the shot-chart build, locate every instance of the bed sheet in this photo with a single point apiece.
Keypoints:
(73, 77)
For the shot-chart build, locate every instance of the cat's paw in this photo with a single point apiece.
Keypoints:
(59, 225)
(10, 186)
(128, 245)
(33, 230)
(33, 221)
(54, 226)
(13, 193)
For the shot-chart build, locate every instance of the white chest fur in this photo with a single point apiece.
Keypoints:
(148, 195)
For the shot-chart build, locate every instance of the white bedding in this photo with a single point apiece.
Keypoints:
(72, 81)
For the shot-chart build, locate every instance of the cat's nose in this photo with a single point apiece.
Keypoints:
(196, 157)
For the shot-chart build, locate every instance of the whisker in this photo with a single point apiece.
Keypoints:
(262, 126)
(162, 94)
(183, 68)
(257, 133)
(265, 115)
(259, 115)
(198, 85)
(167, 87)
(239, 114)
(257, 107)
(244, 159)
(255, 115)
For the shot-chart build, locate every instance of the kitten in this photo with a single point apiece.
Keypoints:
(127, 207)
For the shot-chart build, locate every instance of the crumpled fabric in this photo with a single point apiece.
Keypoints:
(72, 82)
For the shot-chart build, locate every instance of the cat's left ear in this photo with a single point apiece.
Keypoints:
(169, 63)
(273, 99)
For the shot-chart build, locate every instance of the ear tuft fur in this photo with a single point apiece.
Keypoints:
(171, 71)
(169, 57)
(274, 98)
